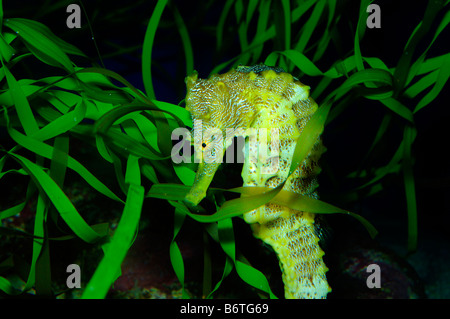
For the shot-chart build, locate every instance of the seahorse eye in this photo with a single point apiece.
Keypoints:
(203, 145)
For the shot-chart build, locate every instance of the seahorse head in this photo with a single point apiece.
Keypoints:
(219, 110)
(226, 105)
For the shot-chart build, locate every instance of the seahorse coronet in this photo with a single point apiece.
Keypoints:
(265, 99)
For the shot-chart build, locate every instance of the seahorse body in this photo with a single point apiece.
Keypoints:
(261, 97)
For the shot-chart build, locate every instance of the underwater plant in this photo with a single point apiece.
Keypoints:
(66, 117)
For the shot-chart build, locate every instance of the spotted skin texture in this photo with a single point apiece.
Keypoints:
(261, 97)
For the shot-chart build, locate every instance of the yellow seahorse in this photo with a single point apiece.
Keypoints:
(240, 102)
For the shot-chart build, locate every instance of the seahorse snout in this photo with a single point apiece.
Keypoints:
(203, 178)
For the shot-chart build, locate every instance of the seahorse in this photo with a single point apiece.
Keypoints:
(262, 97)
